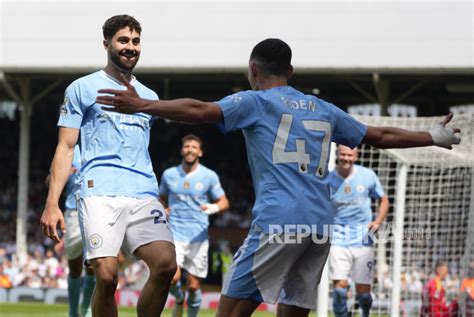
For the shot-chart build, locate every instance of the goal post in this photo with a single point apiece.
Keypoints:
(430, 190)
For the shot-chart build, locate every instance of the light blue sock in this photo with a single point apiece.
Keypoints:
(73, 293)
(365, 302)
(194, 302)
(88, 285)
(339, 302)
(177, 292)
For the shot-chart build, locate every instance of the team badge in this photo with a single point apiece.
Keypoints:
(95, 241)
(186, 185)
(347, 189)
(199, 186)
(360, 188)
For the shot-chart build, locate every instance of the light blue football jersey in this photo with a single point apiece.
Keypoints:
(72, 185)
(288, 137)
(186, 193)
(352, 198)
(114, 147)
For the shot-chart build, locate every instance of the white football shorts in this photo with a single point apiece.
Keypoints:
(266, 270)
(356, 263)
(111, 223)
(193, 257)
(72, 238)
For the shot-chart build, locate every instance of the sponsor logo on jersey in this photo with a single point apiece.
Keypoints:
(63, 110)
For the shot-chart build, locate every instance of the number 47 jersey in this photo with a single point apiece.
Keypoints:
(288, 136)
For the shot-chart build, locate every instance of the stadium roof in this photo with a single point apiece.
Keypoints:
(353, 36)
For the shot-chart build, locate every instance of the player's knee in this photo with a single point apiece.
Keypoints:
(194, 298)
(365, 300)
(164, 270)
(339, 301)
(106, 282)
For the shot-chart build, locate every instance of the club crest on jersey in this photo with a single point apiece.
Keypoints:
(360, 188)
(347, 189)
(95, 241)
(199, 186)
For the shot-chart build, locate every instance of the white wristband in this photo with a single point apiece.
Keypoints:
(443, 136)
(211, 209)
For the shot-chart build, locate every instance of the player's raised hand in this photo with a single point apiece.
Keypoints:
(52, 216)
(124, 101)
(443, 136)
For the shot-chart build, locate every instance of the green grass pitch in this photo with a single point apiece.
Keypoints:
(60, 310)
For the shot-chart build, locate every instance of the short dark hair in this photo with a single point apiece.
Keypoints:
(192, 137)
(118, 22)
(440, 264)
(273, 56)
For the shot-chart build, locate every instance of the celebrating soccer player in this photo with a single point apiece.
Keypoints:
(119, 192)
(288, 136)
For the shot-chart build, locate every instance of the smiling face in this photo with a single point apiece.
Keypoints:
(346, 158)
(124, 49)
(191, 152)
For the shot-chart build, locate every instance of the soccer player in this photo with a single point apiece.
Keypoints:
(119, 191)
(288, 136)
(74, 246)
(352, 188)
(433, 298)
(192, 192)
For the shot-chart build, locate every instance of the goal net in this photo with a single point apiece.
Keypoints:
(431, 216)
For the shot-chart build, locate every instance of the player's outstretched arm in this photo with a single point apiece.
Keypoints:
(391, 137)
(60, 171)
(184, 110)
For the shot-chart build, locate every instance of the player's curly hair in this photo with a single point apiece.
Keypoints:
(273, 56)
(118, 22)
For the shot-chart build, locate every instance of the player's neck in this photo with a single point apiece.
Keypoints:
(270, 82)
(115, 72)
(344, 172)
(188, 168)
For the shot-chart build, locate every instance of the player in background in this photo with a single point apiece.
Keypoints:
(192, 192)
(433, 299)
(119, 191)
(352, 189)
(74, 246)
(288, 136)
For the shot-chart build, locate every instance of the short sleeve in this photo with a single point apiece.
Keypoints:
(347, 131)
(164, 189)
(73, 109)
(240, 111)
(215, 188)
(376, 191)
